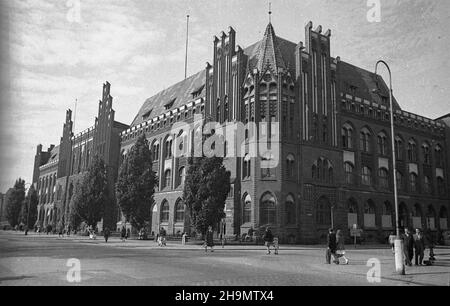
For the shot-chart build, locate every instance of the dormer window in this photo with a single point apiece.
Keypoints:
(170, 104)
(352, 90)
(147, 114)
(197, 92)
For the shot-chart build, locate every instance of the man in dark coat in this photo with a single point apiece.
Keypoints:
(419, 247)
(331, 246)
(408, 242)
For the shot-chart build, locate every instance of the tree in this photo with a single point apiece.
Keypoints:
(14, 202)
(91, 195)
(135, 186)
(30, 203)
(205, 191)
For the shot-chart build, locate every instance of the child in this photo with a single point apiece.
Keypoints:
(276, 246)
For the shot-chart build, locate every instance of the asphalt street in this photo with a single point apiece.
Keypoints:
(45, 260)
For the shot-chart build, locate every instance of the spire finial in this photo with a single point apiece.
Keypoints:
(270, 12)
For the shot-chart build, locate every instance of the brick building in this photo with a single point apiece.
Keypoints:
(327, 121)
(57, 170)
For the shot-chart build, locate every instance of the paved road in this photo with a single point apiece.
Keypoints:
(42, 260)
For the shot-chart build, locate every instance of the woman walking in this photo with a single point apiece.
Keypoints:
(340, 249)
(209, 239)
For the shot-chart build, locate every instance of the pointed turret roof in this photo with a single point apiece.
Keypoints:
(269, 53)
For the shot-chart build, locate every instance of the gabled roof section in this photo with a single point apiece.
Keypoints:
(271, 51)
(365, 82)
(172, 98)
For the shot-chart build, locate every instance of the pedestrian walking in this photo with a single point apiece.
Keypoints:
(331, 247)
(209, 241)
(123, 234)
(408, 243)
(183, 239)
(268, 239)
(392, 242)
(106, 234)
(340, 246)
(430, 243)
(419, 247)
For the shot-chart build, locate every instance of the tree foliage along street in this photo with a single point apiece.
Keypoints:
(135, 187)
(90, 196)
(205, 191)
(30, 203)
(14, 201)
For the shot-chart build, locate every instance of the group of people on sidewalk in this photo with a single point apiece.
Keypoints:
(415, 245)
(335, 247)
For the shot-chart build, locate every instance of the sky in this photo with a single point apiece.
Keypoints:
(54, 52)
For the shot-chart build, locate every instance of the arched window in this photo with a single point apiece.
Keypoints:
(352, 212)
(426, 153)
(366, 176)
(247, 213)
(443, 218)
(168, 148)
(440, 185)
(155, 151)
(383, 177)
(386, 216)
(431, 217)
(412, 150)
(382, 144)
(323, 216)
(364, 140)
(347, 136)
(268, 211)
(180, 209)
(398, 148)
(369, 214)
(438, 155)
(167, 178)
(349, 173)
(426, 184)
(413, 182)
(182, 175)
(290, 210)
(164, 217)
(290, 166)
(322, 169)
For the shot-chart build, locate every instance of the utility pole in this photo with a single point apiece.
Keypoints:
(187, 44)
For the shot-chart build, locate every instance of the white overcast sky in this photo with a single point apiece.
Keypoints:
(138, 46)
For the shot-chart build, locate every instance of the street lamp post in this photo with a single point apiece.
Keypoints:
(398, 245)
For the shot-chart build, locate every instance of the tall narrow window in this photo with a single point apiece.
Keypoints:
(347, 136)
(412, 151)
(413, 182)
(383, 177)
(366, 177)
(364, 140)
(164, 217)
(349, 173)
(382, 144)
(426, 154)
